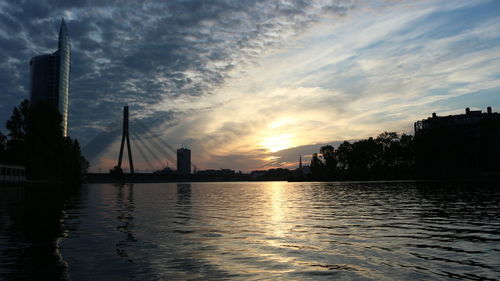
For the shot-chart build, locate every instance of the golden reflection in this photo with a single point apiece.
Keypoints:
(277, 210)
(279, 227)
(277, 202)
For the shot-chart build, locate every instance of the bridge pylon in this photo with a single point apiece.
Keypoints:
(125, 136)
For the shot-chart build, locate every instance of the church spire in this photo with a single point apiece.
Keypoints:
(300, 162)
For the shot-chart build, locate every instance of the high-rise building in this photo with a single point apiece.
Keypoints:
(50, 77)
(183, 161)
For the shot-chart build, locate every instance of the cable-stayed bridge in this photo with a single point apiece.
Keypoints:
(138, 141)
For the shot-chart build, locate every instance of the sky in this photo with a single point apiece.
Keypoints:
(250, 85)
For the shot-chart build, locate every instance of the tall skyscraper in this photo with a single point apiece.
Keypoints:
(50, 77)
(183, 161)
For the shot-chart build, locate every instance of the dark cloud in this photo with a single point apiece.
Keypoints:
(291, 155)
(142, 52)
(9, 25)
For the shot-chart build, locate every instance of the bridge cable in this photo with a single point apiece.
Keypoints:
(158, 138)
(152, 140)
(146, 146)
(147, 141)
(144, 156)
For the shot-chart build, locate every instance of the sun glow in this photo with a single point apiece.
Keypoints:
(278, 142)
(280, 123)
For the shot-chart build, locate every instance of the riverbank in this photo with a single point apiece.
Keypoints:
(162, 178)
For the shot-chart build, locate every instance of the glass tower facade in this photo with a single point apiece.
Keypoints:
(64, 56)
(50, 77)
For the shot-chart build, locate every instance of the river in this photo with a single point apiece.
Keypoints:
(251, 231)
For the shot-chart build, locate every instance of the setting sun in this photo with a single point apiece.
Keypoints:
(249, 140)
(277, 143)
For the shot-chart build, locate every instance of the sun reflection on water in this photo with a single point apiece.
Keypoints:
(277, 207)
(283, 231)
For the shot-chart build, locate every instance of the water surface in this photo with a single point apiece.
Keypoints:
(250, 231)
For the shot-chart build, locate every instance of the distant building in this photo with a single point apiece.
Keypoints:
(465, 145)
(217, 173)
(258, 173)
(50, 77)
(272, 174)
(306, 170)
(12, 173)
(302, 170)
(183, 161)
(164, 171)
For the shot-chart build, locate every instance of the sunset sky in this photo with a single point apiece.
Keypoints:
(252, 84)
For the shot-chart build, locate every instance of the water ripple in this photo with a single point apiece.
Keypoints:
(268, 230)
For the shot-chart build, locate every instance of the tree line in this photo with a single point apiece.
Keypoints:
(388, 156)
(35, 140)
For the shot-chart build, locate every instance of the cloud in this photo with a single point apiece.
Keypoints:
(144, 52)
(224, 77)
(344, 85)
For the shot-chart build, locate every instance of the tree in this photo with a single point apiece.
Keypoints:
(116, 171)
(389, 156)
(36, 141)
(344, 158)
(365, 156)
(389, 153)
(328, 153)
(386, 139)
(17, 126)
(18, 122)
(3, 148)
(316, 166)
(407, 155)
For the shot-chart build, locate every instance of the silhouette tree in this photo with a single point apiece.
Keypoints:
(389, 156)
(365, 158)
(3, 148)
(36, 141)
(330, 164)
(344, 158)
(389, 147)
(406, 156)
(17, 126)
(116, 171)
(316, 167)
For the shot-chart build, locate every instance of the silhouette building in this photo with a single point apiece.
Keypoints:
(464, 145)
(217, 173)
(50, 77)
(183, 161)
